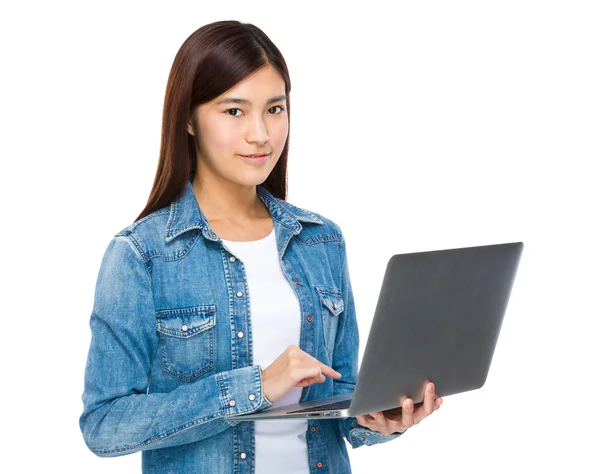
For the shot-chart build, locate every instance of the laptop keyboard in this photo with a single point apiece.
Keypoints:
(329, 406)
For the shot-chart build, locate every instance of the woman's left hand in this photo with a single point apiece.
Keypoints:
(401, 418)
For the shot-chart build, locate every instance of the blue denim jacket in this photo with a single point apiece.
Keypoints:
(165, 364)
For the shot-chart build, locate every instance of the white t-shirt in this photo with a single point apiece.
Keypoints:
(280, 445)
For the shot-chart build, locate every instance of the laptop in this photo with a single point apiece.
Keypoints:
(438, 318)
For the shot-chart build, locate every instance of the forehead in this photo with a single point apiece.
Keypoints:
(263, 86)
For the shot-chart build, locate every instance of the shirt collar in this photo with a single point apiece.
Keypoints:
(185, 214)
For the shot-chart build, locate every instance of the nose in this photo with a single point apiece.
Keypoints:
(257, 131)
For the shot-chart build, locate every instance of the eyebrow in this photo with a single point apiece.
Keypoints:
(235, 100)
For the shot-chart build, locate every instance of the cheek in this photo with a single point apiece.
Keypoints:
(219, 136)
(224, 137)
(279, 134)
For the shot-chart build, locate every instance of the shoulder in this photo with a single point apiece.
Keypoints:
(153, 223)
(147, 235)
(318, 223)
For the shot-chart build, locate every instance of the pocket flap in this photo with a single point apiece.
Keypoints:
(332, 299)
(185, 322)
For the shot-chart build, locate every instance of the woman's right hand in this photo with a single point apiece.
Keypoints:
(293, 368)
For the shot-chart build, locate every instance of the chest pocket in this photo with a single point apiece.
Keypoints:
(332, 306)
(187, 340)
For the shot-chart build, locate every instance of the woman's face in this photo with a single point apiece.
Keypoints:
(254, 123)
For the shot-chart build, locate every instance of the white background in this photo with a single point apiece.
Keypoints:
(415, 126)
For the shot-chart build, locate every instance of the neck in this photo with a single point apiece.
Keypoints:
(225, 200)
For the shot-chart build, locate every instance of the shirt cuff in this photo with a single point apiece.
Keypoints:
(360, 435)
(241, 392)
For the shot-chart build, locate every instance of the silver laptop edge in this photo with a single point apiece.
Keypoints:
(282, 412)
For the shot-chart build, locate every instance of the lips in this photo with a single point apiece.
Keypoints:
(256, 160)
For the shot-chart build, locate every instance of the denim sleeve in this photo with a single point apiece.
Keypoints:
(119, 415)
(345, 361)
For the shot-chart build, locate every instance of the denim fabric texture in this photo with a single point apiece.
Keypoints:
(166, 361)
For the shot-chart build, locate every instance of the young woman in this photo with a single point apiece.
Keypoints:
(222, 297)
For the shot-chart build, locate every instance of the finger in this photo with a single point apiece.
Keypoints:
(325, 369)
(408, 409)
(427, 406)
(377, 422)
(319, 379)
(328, 370)
(438, 402)
(429, 396)
(307, 375)
(366, 422)
(304, 383)
(310, 372)
(381, 422)
(371, 420)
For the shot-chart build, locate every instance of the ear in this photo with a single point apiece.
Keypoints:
(190, 127)
(191, 121)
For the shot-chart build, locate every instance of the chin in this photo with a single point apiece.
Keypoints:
(254, 180)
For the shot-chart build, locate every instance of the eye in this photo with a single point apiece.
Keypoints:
(275, 106)
(281, 107)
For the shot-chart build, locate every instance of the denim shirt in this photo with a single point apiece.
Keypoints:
(166, 361)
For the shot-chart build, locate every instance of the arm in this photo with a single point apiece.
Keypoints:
(119, 416)
(345, 361)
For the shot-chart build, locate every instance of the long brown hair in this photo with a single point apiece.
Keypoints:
(212, 60)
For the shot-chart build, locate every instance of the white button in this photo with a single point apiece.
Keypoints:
(232, 259)
(184, 328)
(252, 397)
(239, 294)
(243, 455)
(232, 403)
(334, 306)
(240, 334)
